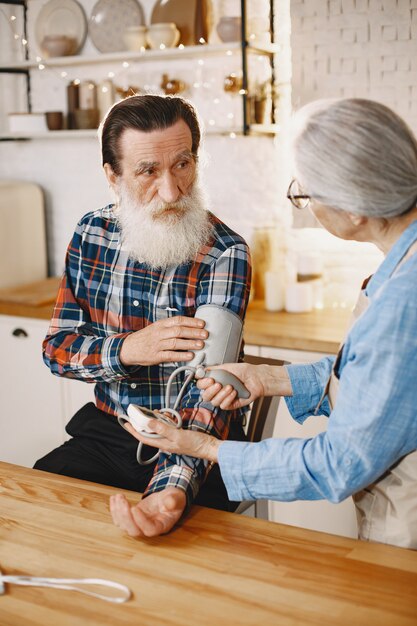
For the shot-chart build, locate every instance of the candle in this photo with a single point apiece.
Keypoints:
(274, 291)
(72, 103)
(105, 97)
(299, 297)
(88, 95)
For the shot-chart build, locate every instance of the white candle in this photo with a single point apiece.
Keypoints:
(299, 297)
(88, 95)
(105, 97)
(274, 291)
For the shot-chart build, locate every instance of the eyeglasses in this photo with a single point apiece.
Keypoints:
(296, 196)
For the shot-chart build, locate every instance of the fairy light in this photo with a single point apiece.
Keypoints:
(42, 64)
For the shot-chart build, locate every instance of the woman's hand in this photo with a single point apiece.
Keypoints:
(226, 397)
(179, 441)
(259, 380)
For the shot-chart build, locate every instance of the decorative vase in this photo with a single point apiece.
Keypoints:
(229, 28)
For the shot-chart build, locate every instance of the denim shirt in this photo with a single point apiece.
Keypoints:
(374, 422)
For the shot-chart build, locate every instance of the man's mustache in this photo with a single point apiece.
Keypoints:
(179, 207)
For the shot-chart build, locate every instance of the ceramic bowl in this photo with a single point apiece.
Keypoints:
(135, 38)
(58, 45)
(162, 35)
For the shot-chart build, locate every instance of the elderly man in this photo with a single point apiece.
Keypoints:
(136, 271)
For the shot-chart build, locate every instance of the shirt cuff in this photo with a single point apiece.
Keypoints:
(111, 357)
(307, 390)
(175, 476)
(230, 459)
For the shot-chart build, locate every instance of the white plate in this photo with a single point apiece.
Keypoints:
(108, 21)
(62, 17)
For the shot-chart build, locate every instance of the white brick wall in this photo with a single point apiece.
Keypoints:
(356, 48)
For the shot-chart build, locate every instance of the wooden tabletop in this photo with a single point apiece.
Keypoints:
(215, 569)
(318, 331)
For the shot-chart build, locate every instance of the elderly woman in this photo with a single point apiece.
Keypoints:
(356, 170)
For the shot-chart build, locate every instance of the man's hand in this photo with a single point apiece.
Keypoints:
(179, 441)
(165, 341)
(154, 515)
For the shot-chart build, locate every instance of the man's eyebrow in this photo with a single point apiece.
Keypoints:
(145, 165)
(186, 154)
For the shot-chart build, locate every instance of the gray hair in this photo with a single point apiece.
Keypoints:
(356, 155)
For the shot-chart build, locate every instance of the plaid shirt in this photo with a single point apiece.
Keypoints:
(104, 296)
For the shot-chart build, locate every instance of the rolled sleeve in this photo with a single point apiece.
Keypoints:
(308, 383)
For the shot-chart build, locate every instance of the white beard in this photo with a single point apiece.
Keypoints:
(162, 234)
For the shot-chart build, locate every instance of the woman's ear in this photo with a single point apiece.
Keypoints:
(357, 220)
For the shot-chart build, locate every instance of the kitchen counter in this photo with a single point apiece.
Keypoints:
(34, 300)
(321, 330)
(318, 331)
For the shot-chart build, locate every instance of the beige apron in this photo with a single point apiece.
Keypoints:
(386, 511)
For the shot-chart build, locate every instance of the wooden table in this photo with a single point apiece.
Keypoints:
(215, 569)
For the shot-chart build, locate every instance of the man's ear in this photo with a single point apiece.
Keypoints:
(357, 220)
(110, 175)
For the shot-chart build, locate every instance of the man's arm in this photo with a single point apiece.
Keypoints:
(227, 284)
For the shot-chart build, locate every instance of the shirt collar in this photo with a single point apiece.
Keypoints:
(394, 256)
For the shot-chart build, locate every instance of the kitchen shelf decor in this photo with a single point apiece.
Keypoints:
(247, 47)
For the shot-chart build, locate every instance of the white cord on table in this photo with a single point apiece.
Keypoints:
(70, 584)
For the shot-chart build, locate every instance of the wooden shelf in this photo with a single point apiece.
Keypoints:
(255, 129)
(187, 52)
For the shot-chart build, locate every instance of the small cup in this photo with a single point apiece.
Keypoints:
(54, 120)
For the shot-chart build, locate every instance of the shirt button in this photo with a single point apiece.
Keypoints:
(133, 385)
(135, 302)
